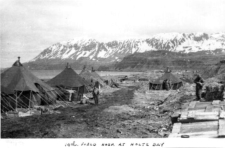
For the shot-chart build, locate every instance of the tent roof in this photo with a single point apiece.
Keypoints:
(90, 75)
(86, 74)
(5, 90)
(18, 78)
(169, 76)
(69, 78)
(93, 72)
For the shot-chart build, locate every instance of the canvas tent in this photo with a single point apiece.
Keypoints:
(21, 89)
(91, 76)
(175, 82)
(96, 75)
(68, 79)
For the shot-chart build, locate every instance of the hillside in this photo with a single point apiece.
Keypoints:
(217, 70)
(162, 59)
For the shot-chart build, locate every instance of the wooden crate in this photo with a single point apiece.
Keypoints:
(209, 129)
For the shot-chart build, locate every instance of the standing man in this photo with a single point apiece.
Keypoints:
(166, 83)
(95, 92)
(199, 84)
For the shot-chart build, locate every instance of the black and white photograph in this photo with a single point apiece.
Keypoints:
(108, 70)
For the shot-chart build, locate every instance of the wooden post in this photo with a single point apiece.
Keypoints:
(221, 130)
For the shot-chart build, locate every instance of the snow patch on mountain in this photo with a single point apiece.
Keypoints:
(143, 47)
(69, 53)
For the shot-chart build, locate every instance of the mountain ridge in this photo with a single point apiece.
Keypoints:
(96, 53)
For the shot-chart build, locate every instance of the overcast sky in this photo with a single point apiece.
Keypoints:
(30, 26)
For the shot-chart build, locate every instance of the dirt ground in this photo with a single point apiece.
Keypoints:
(126, 112)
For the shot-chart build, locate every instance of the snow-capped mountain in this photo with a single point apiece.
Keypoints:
(92, 50)
(116, 50)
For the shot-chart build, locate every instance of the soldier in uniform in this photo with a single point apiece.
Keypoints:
(199, 85)
(166, 84)
(95, 92)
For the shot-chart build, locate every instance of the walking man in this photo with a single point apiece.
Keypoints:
(199, 85)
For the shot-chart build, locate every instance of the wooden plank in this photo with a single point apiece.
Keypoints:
(216, 109)
(199, 119)
(197, 109)
(199, 124)
(221, 131)
(195, 116)
(209, 134)
(209, 108)
(203, 104)
(216, 102)
(176, 128)
(222, 115)
(199, 127)
(192, 104)
(202, 109)
(206, 118)
(184, 113)
(207, 113)
(191, 114)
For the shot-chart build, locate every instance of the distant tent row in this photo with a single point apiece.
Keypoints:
(158, 84)
(21, 89)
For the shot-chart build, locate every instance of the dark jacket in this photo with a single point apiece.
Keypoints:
(199, 82)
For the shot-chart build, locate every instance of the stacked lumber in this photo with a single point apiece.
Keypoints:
(196, 110)
(199, 119)
(210, 129)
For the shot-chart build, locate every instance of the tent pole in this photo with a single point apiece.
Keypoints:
(43, 99)
(16, 100)
(8, 103)
(30, 100)
(61, 99)
(23, 104)
(79, 94)
(70, 97)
